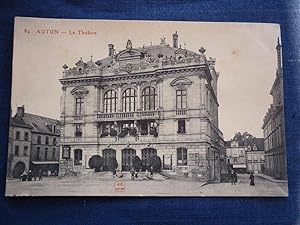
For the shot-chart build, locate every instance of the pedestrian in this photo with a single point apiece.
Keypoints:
(151, 173)
(132, 173)
(40, 175)
(29, 176)
(23, 176)
(252, 179)
(114, 173)
(34, 174)
(233, 177)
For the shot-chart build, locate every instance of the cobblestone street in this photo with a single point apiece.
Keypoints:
(102, 184)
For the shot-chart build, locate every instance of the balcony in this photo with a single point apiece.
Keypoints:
(181, 112)
(119, 116)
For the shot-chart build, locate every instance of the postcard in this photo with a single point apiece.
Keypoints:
(146, 108)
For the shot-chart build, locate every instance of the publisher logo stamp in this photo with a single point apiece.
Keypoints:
(119, 186)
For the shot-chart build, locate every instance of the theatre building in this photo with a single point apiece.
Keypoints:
(143, 101)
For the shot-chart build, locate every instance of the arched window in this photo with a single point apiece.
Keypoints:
(181, 156)
(129, 100)
(149, 98)
(110, 101)
(181, 99)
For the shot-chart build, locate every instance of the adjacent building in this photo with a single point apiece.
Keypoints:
(255, 156)
(150, 100)
(19, 145)
(33, 144)
(246, 155)
(236, 155)
(273, 126)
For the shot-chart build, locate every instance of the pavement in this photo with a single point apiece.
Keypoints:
(103, 184)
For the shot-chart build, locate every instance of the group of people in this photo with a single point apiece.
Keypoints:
(118, 175)
(134, 174)
(148, 175)
(233, 178)
(31, 175)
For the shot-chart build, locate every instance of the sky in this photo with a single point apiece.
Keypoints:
(245, 57)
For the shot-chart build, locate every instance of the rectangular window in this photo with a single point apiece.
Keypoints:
(39, 140)
(144, 128)
(78, 106)
(181, 127)
(78, 130)
(181, 157)
(17, 150)
(25, 151)
(47, 140)
(181, 99)
(46, 153)
(66, 152)
(18, 135)
(26, 136)
(53, 153)
(38, 152)
(54, 141)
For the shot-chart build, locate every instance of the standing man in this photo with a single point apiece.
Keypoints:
(40, 175)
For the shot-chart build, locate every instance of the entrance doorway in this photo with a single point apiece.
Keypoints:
(107, 155)
(18, 169)
(146, 155)
(128, 155)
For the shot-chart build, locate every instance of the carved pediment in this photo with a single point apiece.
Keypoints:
(181, 83)
(79, 92)
(128, 55)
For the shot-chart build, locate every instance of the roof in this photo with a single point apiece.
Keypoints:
(41, 124)
(164, 50)
(259, 142)
(19, 122)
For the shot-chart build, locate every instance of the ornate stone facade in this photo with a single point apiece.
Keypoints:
(153, 100)
(273, 126)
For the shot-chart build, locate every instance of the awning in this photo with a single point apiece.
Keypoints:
(45, 162)
(239, 166)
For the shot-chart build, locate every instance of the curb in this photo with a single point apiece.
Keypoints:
(271, 179)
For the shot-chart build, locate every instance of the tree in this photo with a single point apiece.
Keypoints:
(112, 164)
(96, 162)
(137, 163)
(155, 162)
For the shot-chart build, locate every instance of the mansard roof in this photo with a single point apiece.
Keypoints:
(19, 122)
(145, 58)
(41, 124)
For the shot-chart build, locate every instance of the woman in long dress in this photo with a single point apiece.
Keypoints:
(252, 179)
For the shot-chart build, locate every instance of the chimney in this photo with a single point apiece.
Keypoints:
(175, 40)
(111, 50)
(20, 111)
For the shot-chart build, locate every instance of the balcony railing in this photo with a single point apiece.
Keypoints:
(153, 114)
(181, 112)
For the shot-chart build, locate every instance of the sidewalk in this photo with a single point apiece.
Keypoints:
(272, 179)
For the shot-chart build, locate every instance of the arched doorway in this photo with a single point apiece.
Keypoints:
(128, 155)
(146, 155)
(107, 154)
(18, 169)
